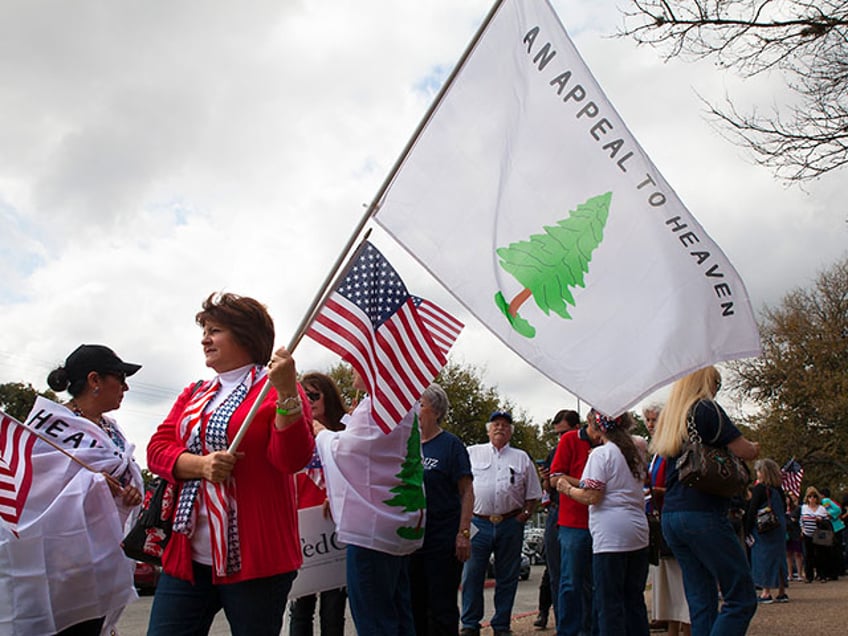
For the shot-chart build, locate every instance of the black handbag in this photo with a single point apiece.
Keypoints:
(151, 532)
(714, 470)
(766, 519)
(657, 547)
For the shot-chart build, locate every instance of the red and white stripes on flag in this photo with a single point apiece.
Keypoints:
(16, 442)
(396, 342)
(442, 326)
(791, 476)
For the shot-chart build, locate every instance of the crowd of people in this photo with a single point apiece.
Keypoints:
(422, 518)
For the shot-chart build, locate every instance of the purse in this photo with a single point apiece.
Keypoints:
(151, 532)
(823, 534)
(766, 519)
(714, 470)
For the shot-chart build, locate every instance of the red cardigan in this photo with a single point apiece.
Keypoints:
(265, 489)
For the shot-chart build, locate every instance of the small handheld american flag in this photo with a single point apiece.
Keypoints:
(790, 477)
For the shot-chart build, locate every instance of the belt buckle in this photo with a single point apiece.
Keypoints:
(496, 519)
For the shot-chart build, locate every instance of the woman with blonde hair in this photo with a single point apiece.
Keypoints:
(694, 523)
(768, 552)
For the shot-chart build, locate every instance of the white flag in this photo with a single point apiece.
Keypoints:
(529, 199)
(65, 565)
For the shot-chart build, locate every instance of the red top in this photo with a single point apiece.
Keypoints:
(570, 458)
(265, 489)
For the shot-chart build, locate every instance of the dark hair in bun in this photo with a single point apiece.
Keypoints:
(58, 380)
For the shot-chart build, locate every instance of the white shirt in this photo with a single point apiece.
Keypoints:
(618, 523)
(503, 479)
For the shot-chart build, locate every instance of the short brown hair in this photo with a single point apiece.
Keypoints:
(247, 318)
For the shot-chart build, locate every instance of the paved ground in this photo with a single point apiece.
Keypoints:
(814, 608)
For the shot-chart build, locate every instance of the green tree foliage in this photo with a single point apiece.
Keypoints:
(472, 402)
(17, 398)
(804, 41)
(800, 382)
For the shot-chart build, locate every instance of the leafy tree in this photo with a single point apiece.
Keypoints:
(472, 402)
(17, 398)
(800, 382)
(804, 40)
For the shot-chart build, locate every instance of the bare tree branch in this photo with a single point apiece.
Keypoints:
(806, 41)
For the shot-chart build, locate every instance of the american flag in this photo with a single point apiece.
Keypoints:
(790, 477)
(16, 442)
(397, 342)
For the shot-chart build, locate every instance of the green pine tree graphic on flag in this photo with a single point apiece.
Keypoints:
(549, 264)
(409, 493)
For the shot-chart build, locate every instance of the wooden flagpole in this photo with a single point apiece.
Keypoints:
(85, 465)
(323, 291)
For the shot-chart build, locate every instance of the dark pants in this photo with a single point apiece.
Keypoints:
(620, 579)
(253, 608)
(552, 557)
(815, 560)
(545, 602)
(331, 614)
(434, 583)
(86, 628)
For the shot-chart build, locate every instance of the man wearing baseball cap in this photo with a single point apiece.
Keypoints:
(506, 491)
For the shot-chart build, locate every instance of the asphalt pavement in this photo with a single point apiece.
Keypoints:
(134, 619)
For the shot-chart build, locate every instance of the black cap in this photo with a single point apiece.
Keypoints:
(504, 414)
(87, 358)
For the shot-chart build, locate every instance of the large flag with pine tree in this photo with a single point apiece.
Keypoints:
(548, 221)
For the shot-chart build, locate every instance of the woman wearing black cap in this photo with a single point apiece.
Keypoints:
(64, 570)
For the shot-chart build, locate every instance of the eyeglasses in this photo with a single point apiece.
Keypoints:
(312, 396)
(120, 376)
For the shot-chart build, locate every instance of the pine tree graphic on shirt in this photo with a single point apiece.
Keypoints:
(409, 493)
(549, 264)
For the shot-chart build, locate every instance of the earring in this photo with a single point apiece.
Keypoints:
(96, 390)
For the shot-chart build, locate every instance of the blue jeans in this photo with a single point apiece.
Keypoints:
(552, 557)
(378, 590)
(711, 557)
(620, 579)
(252, 607)
(575, 583)
(332, 613)
(504, 539)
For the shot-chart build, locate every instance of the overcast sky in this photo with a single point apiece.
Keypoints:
(155, 152)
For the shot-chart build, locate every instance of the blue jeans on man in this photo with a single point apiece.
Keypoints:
(711, 558)
(505, 540)
(574, 616)
(378, 592)
(619, 579)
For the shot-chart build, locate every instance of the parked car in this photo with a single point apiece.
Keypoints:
(523, 573)
(146, 577)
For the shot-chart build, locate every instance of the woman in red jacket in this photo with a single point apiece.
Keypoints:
(235, 540)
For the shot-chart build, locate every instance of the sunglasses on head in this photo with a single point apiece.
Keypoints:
(313, 396)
